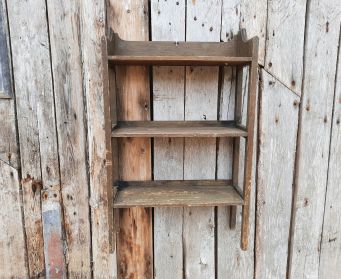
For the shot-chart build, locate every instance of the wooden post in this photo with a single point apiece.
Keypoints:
(251, 110)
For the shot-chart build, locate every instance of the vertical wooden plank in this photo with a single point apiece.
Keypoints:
(5, 62)
(96, 87)
(277, 139)
(135, 251)
(233, 261)
(9, 152)
(37, 135)
(249, 144)
(250, 15)
(201, 95)
(12, 242)
(168, 23)
(330, 246)
(284, 42)
(64, 27)
(322, 31)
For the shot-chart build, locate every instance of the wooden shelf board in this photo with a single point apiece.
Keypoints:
(176, 193)
(178, 129)
(172, 60)
(238, 51)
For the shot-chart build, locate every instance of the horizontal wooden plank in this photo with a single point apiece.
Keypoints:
(237, 47)
(235, 52)
(177, 60)
(176, 193)
(178, 129)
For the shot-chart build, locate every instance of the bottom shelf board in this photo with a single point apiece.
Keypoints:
(176, 193)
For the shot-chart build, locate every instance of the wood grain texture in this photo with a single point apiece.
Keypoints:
(9, 143)
(275, 179)
(96, 89)
(178, 129)
(178, 60)
(249, 143)
(135, 252)
(12, 242)
(168, 23)
(321, 42)
(330, 243)
(233, 261)
(251, 15)
(64, 27)
(120, 49)
(6, 89)
(201, 95)
(284, 44)
(9, 149)
(37, 135)
(176, 195)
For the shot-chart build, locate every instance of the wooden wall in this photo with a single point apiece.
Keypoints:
(55, 156)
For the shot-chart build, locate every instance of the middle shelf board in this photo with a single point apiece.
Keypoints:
(173, 193)
(178, 129)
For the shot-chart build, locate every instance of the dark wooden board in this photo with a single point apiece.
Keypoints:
(176, 193)
(177, 129)
(238, 51)
(178, 60)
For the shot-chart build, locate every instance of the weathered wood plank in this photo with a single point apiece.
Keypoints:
(64, 27)
(323, 26)
(275, 179)
(232, 261)
(201, 95)
(8, 143)
(177, 129)
(37, 134)
(6, 89)
(169, 60)
(251, 15)
(135, 252)
(168, 23)
(9, 151)
(331, 238)
(12, 242)
(154, 195)
(284, 44)
(96, 87)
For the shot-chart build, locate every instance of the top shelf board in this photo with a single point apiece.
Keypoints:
(238, 51)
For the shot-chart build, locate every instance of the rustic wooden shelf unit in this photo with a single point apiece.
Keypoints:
(239, 52)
